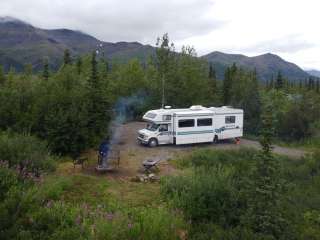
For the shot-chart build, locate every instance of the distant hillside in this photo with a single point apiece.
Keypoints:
(22, 43)
(314, 73)
(267, 65)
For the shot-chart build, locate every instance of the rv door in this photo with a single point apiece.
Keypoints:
(165, 134)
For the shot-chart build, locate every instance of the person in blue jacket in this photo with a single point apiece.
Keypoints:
(103, 152)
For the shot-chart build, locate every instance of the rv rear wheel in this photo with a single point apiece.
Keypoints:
(153, 142)
(215, 139)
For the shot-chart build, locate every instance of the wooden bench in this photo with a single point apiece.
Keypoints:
(79, 161)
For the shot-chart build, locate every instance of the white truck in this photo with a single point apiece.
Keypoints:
(196, 124)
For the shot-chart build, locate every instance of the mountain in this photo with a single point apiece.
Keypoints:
(22, 43)
(266, 65)
(314, 73)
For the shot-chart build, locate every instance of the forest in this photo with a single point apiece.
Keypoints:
(49, 116)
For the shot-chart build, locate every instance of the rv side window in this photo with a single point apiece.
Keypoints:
(230, 119)
(166, 117)
(204, 122)
(183, 123)
(151, 115)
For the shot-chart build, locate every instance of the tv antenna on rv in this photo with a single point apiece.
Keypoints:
(162, 101)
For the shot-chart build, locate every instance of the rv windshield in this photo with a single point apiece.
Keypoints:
(152, 126)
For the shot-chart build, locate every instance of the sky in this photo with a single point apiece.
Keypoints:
(288, 28)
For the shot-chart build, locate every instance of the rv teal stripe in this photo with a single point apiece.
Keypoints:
(195, 132)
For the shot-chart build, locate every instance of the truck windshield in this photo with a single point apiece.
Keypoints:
(152, 126)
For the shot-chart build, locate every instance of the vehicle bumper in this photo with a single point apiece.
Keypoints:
(142, 141)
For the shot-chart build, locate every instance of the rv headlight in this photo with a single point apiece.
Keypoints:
(142, 136)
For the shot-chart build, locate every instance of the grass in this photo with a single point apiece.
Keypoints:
(105, 189)
(311, 144)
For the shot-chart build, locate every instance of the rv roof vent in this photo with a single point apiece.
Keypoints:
(167, 107)
(196, 107)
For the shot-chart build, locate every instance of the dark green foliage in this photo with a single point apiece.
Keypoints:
(271, 85)
(206, 195)
(98, 111)
(227, 84)
(279, 81)
(212, 77)
(27, 69)
(2, 75)
(242, 195)
(165, 57)
(8, 179)
(295, 124)
(45, 72)
(25, 153)
(79, 65)
(66, 57)
(251, 104)
(264, 215)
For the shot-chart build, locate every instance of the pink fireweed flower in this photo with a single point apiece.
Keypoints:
(109, 216)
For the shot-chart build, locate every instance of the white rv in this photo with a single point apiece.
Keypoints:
(196, 124)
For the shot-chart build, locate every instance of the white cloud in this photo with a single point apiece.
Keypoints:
(284, 27)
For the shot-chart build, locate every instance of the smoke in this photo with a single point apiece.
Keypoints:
(126, 109)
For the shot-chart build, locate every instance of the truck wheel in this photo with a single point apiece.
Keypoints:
(153, 142)
(215, 139)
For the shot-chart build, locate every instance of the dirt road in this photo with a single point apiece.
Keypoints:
(133, 154)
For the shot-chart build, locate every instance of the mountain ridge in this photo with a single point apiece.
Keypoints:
(267, 65)
(314, 72)
(22, 43)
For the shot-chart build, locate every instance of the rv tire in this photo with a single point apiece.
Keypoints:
(215, 139)
(153, 142)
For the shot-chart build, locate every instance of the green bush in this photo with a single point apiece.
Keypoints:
(25, 153)
(206, 195)
(216, 193)
(141, 223)
(8, 179)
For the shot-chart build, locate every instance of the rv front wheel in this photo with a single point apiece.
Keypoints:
(153, 142)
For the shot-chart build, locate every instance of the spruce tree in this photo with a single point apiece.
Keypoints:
(45, 72)
(97, 105)
(279, 81)
(271, 86)
(2, 75)
(27, 70)
(212, 78)
(226, 88)
(79, 65)
(318, 86)
(252, 104)
(165, 54)
(66, 57)
(264, 214)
